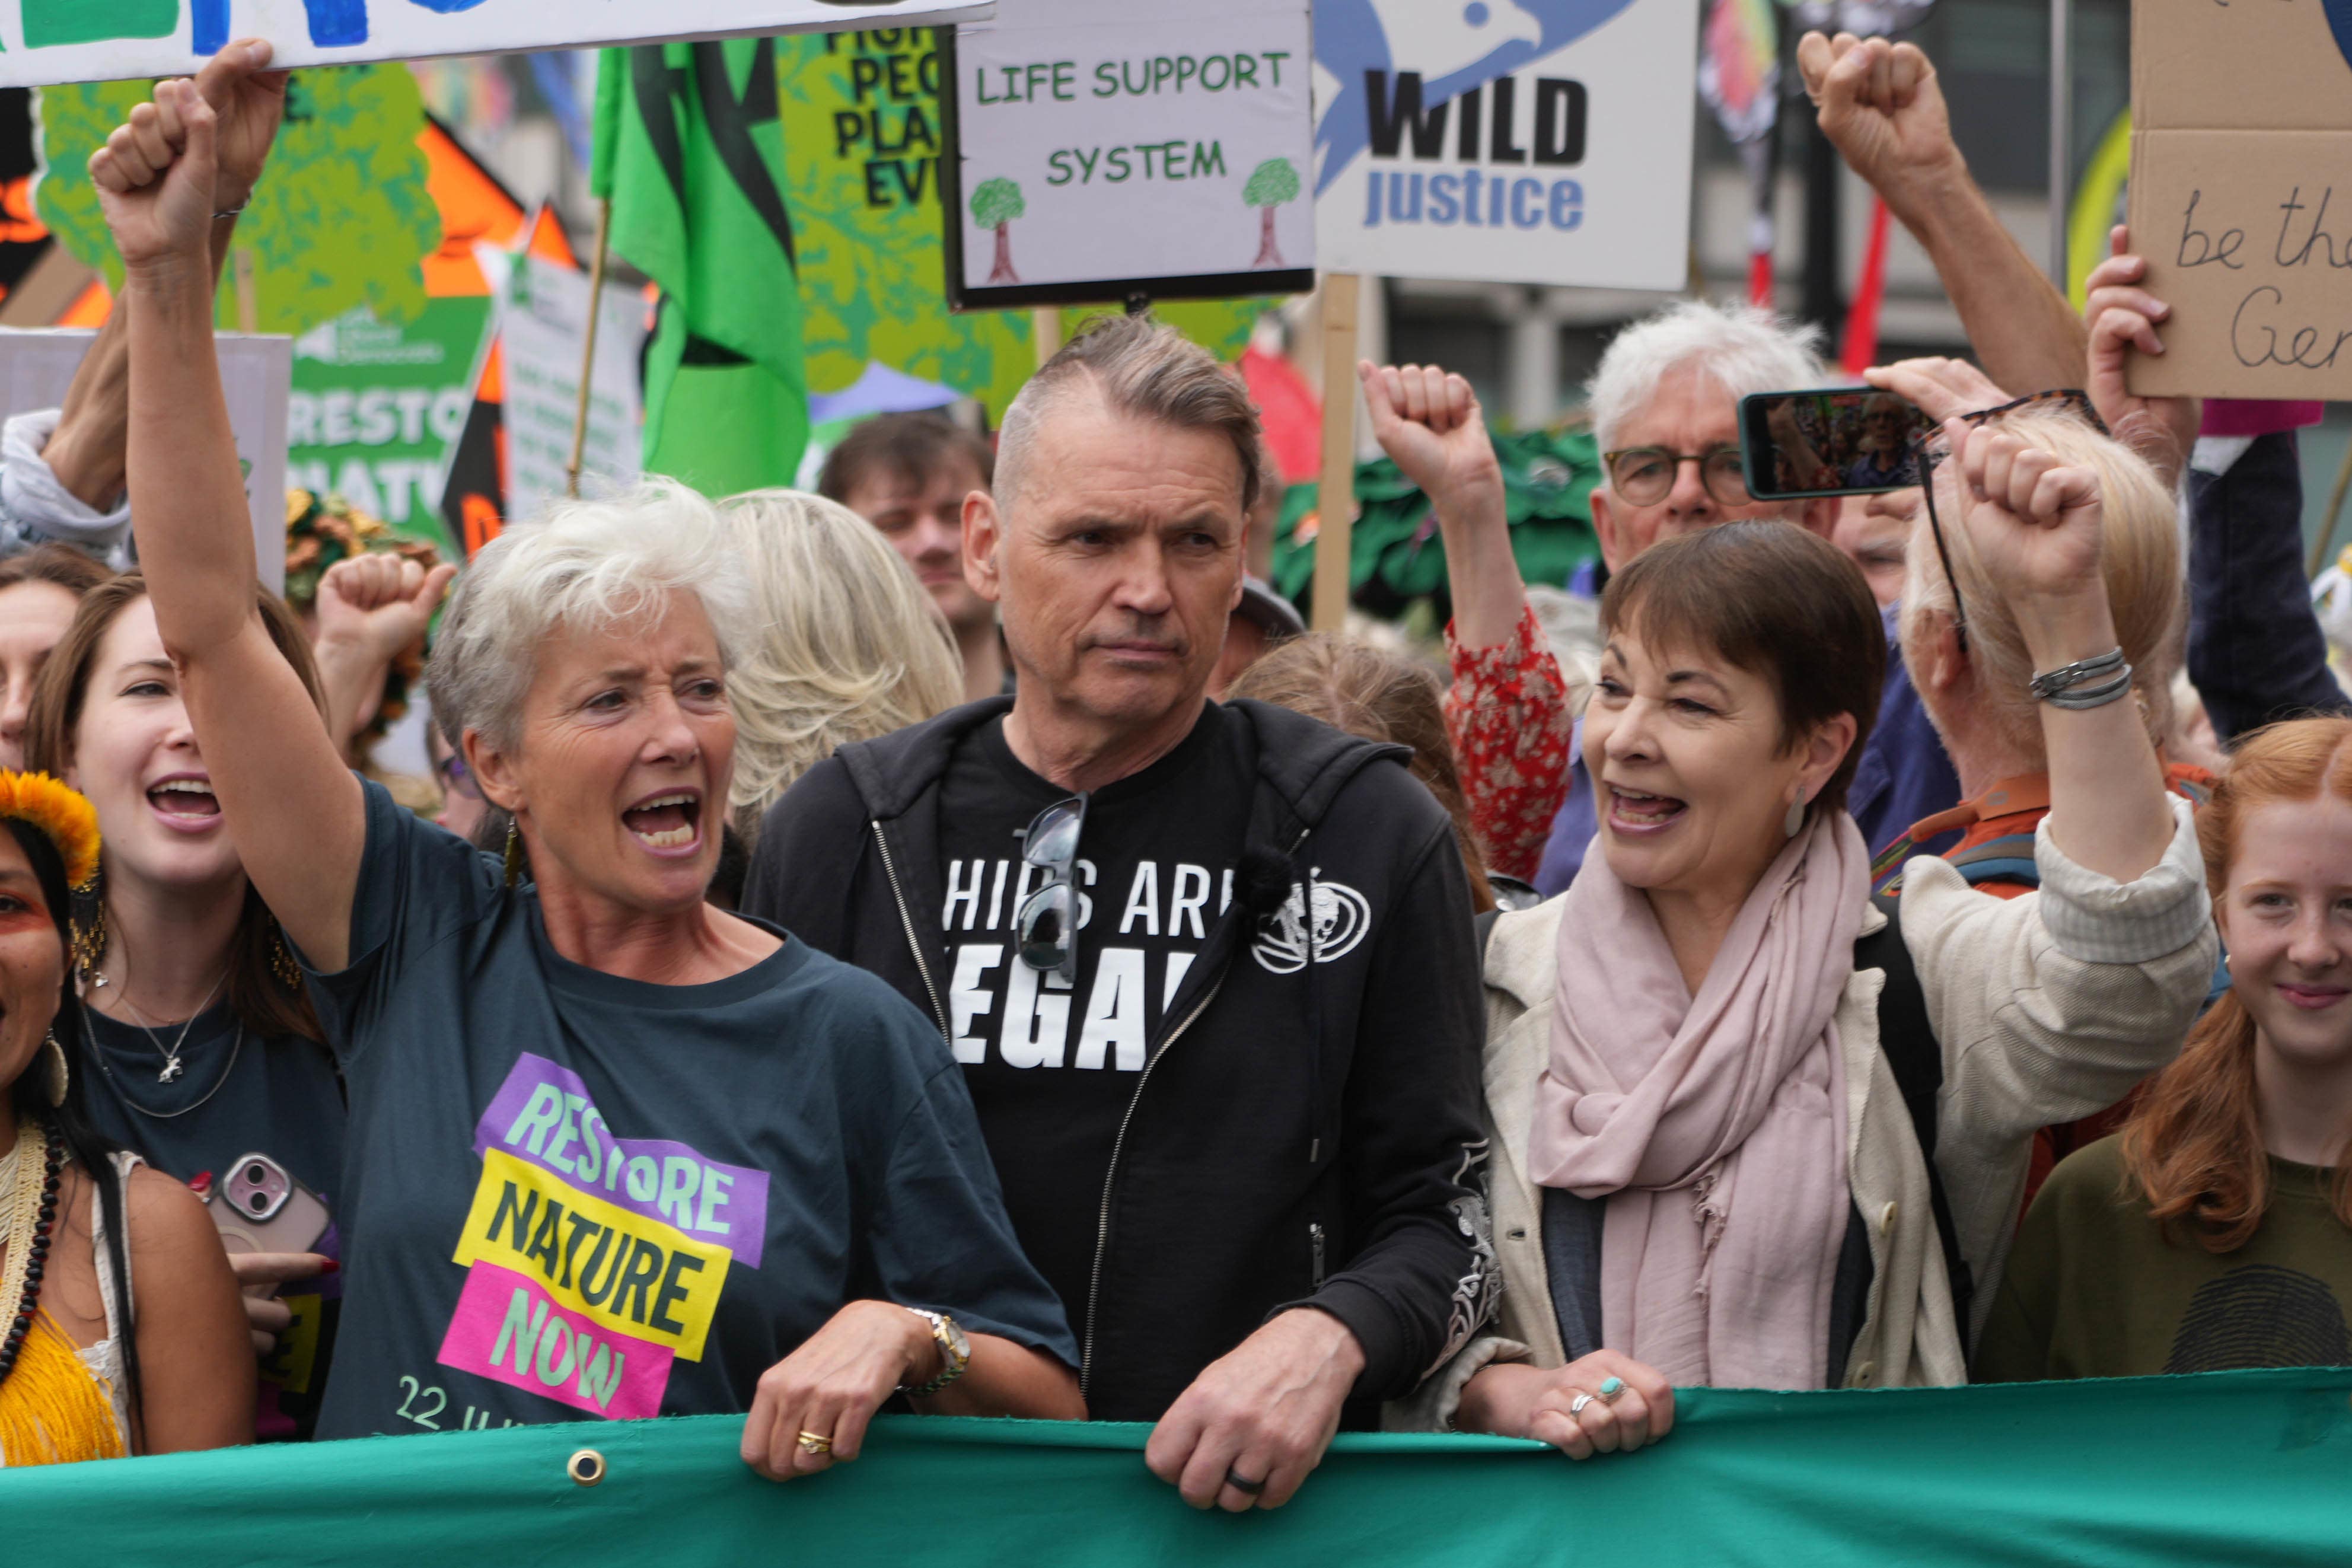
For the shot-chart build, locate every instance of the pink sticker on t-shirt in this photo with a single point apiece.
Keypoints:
(506, 1329)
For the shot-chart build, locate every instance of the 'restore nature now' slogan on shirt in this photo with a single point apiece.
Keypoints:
(44, 42)
(593, 1263)
(1505, 141)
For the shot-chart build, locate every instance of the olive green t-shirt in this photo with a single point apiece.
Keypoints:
(2097, 1288)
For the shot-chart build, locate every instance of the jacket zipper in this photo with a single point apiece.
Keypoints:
(1110, 1174)
(907, 923)
(1111, 1178)
(1315, 1237)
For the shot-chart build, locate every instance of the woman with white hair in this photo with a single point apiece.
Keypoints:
(567, 1193)
(850, 646)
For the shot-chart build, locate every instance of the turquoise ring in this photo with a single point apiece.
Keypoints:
(1610, 1388)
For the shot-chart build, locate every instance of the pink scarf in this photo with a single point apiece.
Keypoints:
(1715, 1125)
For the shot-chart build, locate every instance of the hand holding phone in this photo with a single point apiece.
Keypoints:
(261, 1208)
(1856, 441)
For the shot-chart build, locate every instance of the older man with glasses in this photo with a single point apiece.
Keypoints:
(1664, 407)
(1208, 969)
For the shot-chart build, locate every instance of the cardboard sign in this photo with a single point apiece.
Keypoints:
(543, 326)
(2241, 195)
(1505, 141)
(1104, 148)
(49, 41)
(37, 366)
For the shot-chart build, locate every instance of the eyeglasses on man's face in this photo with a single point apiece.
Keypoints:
(1645, 476)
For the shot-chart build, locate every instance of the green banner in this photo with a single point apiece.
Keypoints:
(2226, 1468)
(341, 219)
(376, 404)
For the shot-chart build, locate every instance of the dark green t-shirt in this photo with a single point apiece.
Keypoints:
(238, 1094)
(572, 1194)
(2097, 1288)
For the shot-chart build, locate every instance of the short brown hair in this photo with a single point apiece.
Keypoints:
(261, 1001)
(62, 564)
(910, 447)
(1773, 600)
(1146, 370)
(1361, 688)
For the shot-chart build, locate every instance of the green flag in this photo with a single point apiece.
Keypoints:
(690, 154)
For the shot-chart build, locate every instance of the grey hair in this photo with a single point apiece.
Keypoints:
(850, 648)
(1740, 348)
(1142, 369)
(584, 565)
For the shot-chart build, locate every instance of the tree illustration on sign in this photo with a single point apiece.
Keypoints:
(994, 205)
(1271, 183)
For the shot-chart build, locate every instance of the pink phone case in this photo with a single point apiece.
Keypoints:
(260, 1207)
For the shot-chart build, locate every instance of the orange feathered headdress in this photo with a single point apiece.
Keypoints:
(64, 815)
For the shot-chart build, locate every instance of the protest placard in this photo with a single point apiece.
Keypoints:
(2242, 129)
(543, 328)
(1505, 141)
(48, 41)
(1098, 149)
(862, 116)
(37, 366)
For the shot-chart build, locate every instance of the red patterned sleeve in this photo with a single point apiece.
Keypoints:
(1508, 717)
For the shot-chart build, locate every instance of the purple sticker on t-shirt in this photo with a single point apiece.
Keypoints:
(542, 1114)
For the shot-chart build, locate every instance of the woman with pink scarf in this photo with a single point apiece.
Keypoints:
(1705, 1170)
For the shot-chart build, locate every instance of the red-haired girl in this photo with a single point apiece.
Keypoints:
(2216, 1229)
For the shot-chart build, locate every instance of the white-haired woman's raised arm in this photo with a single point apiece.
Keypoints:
(291, 807)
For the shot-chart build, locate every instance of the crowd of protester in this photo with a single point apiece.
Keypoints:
(952, 944)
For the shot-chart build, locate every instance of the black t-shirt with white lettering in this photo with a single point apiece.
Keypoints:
(1051, 1068)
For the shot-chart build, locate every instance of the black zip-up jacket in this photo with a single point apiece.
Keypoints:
(1346, 1178)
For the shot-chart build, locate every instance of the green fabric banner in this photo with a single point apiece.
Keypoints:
(689, 152)
(2227, 1467)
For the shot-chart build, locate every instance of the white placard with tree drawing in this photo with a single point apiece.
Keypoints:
(1108, 147)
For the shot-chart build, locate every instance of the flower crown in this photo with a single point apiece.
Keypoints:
(64, 815)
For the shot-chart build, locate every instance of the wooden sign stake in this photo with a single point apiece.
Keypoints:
(1045, 326)
(248, 293)
(588, 352)
(1334, 506)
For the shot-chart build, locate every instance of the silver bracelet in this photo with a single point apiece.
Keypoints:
(2099, 696)
(232, 212)
(2082, 672)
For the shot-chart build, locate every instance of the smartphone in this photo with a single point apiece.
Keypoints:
(262, 1208)
(1853, 441)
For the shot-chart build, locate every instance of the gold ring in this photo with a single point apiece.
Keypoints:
(815, 1443)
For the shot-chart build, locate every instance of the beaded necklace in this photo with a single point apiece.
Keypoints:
(28, 1201)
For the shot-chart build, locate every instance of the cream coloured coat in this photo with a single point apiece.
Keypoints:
(2048, 1007)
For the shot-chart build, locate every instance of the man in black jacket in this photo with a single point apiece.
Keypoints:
(1209, 969)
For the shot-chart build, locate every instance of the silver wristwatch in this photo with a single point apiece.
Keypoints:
(955, 1352)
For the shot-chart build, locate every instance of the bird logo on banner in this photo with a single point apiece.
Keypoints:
(1458, 44)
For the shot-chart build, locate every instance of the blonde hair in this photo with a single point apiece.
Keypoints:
(1382, 695)
(849, 646)
(2140, 557)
